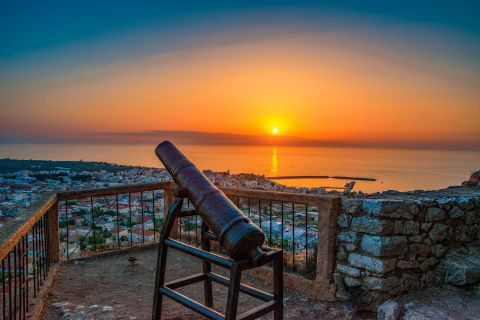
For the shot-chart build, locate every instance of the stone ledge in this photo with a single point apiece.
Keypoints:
(384, 246)
(371, 264)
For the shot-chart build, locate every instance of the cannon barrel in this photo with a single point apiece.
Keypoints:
(238, 236)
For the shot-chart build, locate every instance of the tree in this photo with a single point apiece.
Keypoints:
(159, 224)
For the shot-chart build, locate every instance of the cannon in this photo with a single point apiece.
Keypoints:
(224, 223)
(236, 233)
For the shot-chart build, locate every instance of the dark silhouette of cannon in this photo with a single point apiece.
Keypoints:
(222, 221)
(238, 236)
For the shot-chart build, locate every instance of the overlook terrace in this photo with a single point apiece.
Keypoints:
(34, 237)
(316, 233)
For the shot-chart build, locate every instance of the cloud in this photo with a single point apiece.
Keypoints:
(233, 139)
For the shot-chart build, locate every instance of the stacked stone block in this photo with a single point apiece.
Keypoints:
(389, 246)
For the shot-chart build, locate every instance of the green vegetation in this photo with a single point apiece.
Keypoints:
(82, 177)
(158, 223)
(98, 240)
(52, 176)
(8, 165)
(63, 223)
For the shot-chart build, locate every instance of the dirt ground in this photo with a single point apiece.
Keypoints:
(445, 303)
(110, 287)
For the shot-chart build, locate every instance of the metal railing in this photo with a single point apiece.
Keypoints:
(120, 217)
(111, 218)
(26, 260)
(289, 221)
(78, 223)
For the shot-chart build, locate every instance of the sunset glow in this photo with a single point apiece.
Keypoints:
(321, 81)
(275, 131)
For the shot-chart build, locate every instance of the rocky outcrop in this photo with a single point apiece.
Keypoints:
(474, 180)
(390, 310)
(459, 268)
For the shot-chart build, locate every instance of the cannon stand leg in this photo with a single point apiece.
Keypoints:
(207, 268)
(271, 302)
(173, 211)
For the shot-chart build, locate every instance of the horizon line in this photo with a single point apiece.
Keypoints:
(189, 137)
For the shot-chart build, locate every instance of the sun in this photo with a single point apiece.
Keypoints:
(275, 131)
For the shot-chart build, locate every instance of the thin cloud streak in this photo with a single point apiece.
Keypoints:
(221, 138)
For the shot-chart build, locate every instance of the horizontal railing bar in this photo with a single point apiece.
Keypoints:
(167, 185)
(259, 294)
(15, 229)
(210, 235)
(322, 201)
(192, 304)
(109, 191)
(187, 213)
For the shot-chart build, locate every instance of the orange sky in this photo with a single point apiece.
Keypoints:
(337, 85)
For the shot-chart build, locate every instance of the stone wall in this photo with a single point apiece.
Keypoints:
(389, 246)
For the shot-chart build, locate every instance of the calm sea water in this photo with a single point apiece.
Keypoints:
(394, 169)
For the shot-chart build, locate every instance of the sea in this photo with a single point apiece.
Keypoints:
(393, 169)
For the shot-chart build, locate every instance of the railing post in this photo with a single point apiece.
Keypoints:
(53, 233)
(168, 198)
(327, 232)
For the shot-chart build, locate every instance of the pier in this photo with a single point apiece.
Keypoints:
(321, 177)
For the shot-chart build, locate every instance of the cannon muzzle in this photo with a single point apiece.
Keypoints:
(238, 236)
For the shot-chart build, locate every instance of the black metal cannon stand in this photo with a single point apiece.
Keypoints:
(270, 302)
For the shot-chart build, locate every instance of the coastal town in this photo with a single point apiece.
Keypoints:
(20, 187)
(94, 224)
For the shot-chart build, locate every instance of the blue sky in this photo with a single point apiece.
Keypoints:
(27, 27)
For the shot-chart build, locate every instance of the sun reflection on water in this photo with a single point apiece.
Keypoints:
(274, 168)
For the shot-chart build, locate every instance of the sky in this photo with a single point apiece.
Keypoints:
(366, 73)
